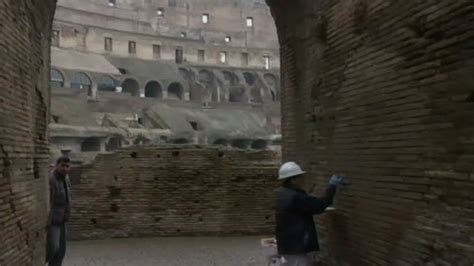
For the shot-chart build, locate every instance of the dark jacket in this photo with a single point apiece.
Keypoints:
(295, 229)
(59, 199)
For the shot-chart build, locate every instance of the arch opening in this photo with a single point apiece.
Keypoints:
(90, 144)
(250, 79)
(236, 95)
(259, 144)
(113, 144)
(207, 78)
(184, 73)
(82, 82)
(131, 86)
(231, 78)
(106, 83)
(256, 95)
(175, 91)
(272, 82)
(153, 90)
(240, 143)
(56, 79)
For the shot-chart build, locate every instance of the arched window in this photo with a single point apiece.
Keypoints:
(81, 81)
(106, 83)
(153, 90)
(175, 91)
(56, 79)
(131, 86)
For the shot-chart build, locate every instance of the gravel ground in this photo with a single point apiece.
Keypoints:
(182, 251)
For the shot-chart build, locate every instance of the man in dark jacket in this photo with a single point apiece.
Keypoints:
(295, 230)
(59, 199)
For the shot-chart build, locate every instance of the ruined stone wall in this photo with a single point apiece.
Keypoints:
(383, 92)
(147, 192)
(24, 105)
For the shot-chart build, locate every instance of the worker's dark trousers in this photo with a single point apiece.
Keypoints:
(56, 245)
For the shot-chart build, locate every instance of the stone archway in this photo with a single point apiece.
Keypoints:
(274, 87)
(256, 95)
(131, 86)
(250, 79)
(82, 81)
(56, 79)
(403, 238)
(241, 143)
(208, 79)
(236, 94)
(153, 89)
(91, 145)
(175, 91)
(231, 78)
(106, 83)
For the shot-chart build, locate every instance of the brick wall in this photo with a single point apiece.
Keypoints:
(24, 105)
(383, 92)
(146, 192)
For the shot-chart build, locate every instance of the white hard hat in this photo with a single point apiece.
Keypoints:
(289, 169)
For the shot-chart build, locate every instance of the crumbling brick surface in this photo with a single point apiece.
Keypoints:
(383, 92)
(24, 103)
(172, 191)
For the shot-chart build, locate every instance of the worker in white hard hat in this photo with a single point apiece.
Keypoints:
(295, 229)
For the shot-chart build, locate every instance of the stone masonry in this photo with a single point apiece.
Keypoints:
(24, 106)
(383, 92)
(172, 191)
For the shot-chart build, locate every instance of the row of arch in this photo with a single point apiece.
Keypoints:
(94, 144)
(258, 144)
(82, 81)
(237, 86)
(175, 90)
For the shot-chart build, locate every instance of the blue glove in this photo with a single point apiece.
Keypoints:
(335, 180)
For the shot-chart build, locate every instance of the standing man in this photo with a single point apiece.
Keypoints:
(295, 230)
(59, 199)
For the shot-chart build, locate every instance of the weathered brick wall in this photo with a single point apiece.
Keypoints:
(383, 91)
(146, 192)
(24, 105)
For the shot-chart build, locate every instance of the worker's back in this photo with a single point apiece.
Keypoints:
(295, 230)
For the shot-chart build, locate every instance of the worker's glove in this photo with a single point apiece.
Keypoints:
(336, 181)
